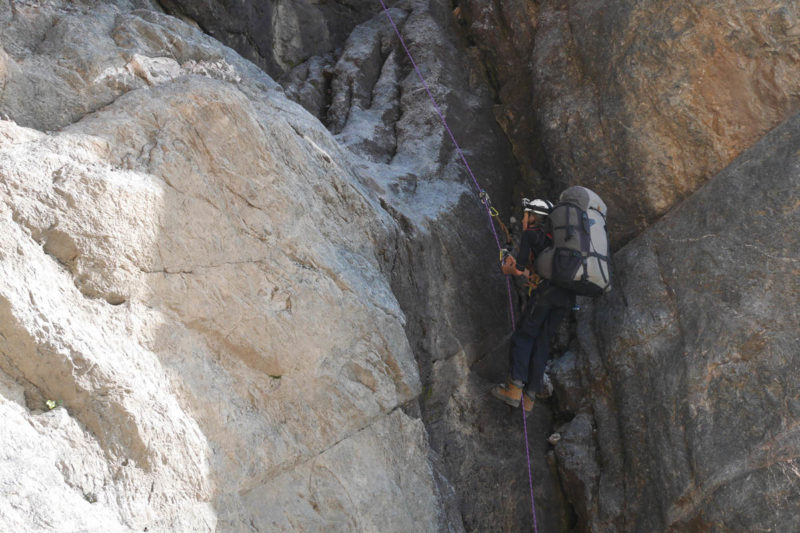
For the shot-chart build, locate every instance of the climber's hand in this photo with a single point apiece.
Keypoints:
(509, 266)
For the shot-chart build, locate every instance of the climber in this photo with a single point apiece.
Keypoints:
(535, 238)
(541, 316)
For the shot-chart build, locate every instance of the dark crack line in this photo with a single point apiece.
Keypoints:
(167, 271)
(281, 469)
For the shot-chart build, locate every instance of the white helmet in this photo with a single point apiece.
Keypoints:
(540, 207)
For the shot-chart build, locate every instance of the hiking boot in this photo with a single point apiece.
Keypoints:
(508, 392)
(528, 403)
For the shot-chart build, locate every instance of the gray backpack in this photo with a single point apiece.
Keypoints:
(578, 259)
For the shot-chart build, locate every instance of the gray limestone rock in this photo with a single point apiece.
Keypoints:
(186, 294)
(230, 301)
(168, 285)
(277, 35)
(691, 360)
(61, 64)
(443, 271)
(567, 387)
(578, 467)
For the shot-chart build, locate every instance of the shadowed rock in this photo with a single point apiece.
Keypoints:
(642, 101)
(275, 35)
(691, 360)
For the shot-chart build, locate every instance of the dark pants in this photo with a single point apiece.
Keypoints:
(530, 342)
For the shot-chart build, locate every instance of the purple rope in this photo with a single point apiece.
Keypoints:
(528, 457)
(458, 147)
(491, 225)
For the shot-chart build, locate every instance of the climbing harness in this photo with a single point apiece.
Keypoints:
(533, 281)
(485, 201)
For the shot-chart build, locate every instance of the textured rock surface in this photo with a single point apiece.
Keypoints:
(369, 96)
(644, 101)
(193, 262)
(692, 360)
(254, 319)
(273, 34)
(454, 304)
(192, 269)
(502, 35)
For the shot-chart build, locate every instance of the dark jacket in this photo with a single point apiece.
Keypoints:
(534, 239)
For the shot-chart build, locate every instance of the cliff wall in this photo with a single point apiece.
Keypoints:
(261, 294)
(196, 274)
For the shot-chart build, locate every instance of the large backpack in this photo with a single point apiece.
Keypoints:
(578, 259)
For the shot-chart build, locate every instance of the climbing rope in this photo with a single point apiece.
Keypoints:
(489, 211)
(452, 138)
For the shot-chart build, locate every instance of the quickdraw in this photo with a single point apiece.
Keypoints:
(484, 196)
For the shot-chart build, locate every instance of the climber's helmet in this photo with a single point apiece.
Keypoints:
(537, 206)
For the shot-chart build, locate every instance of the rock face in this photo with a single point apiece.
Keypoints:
(277, 35)
(502, 35)
(691, 362)
(192, 271)
(680, 414)
(643, 101)
(368, 95)
(222, 310)
(227, 305)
